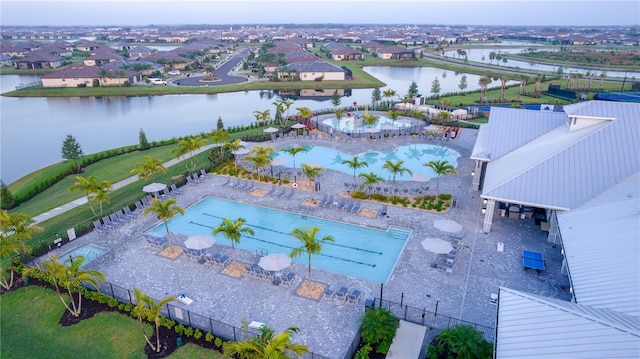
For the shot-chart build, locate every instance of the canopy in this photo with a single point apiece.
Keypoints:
(270, 130)
(419, 177)
(154, 187)
(275, 262)
(437, 245)
(298, 126)
(200, 241)
(279, 161)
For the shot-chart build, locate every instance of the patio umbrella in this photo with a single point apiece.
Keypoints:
(419, 177)
(154, 187)
(404, 120)
(447, 225)
(275, 262)
(436, 246)
(199, 242)
(270, 130)
(298, 126)
(432, 128)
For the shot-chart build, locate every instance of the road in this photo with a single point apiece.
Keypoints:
(222, 73)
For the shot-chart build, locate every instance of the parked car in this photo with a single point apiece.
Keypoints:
(173, 73)
(158, 82)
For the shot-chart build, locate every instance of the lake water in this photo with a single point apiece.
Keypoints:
(32, 129)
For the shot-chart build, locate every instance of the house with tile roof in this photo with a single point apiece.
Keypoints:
(101, 56)
(39, 60)
(395, 53)
(90, 76)
(318, 70)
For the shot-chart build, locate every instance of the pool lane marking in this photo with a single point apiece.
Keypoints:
(288, 234)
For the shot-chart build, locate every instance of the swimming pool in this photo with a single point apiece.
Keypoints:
(349, 123)
(361, 252)
(413, 155)
(88, 251)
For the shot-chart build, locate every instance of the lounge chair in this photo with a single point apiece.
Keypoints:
(166, 194)
(329, 294)
(146, 202)
(210, 259)
(288, 279)
(114, 219)
(383, 211)
(196, 178)
(341, 294)
(281, 193)
(447, 267)
(98, 227)
(139, 206)
(356, 206)
(108, 223)
(323, 200)
(122, 216)
(291, 193)
(249, 187)
(341, 203)
(271, 191)
(129, 213)
(329, 202)
(354, 296)
(221, 261)
(175, 189)
(204, 174)
(242, 185)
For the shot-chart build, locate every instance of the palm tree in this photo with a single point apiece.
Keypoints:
(370, 119)
(69, 275)
(441, 168)
(148, 169)
(503, 84)
(209, 70)
(310, 244)
(603, 75)
(311, 172)
(305, 112)
(147, 308)
(190, 146)
(287, 103)
(102, 195)
(232, 230)
(465, 342)
(354, 164)
(370, 179)
(87, 185)
(15, 230)
(484, 81)
(339, 112)
(395, 168)
(164, 211)
(538, 79)
(293, 151)
(222, 137)
(389, 94)
(266, 345)
(394, 115)
(234, 146)
(280, 108)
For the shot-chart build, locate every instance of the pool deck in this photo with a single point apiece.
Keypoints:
(328, 327)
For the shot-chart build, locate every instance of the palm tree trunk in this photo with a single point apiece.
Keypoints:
(3, 282)
(75, 311)
(146, 337)
(309, 265)
(166, 226)
(157, 335)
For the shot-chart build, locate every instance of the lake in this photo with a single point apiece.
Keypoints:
(33, 128)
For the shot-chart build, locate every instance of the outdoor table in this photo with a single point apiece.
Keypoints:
(533, 260)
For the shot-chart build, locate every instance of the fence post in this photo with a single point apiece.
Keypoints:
(189, 317)
(234, 333)
(169, 311)
(112, 294)
(129, 293)
(210, 325)
(435, 314)
(405, 312)
(401, 298)
(424, 312)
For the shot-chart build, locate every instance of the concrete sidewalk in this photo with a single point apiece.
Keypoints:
(407, 342)
(82, 200)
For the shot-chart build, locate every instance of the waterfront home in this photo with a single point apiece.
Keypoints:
(90, 76)
(319, 70)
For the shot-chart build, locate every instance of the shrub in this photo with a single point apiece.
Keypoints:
(363, 352)
(378, 327)
(462, 341)
(217, 342)
(359, 195)
(208, 337)
(179, 329)
(112, 303)
(128, 307)
(197, 334)
(445, 196)
(188, 332)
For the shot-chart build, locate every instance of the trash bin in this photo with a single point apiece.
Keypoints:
(317, 186)
(179, 341)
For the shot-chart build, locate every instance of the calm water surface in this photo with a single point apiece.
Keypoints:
(32, 129)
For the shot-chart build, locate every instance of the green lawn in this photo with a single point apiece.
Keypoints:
(30, 329)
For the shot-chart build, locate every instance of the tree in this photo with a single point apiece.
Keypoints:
(339, 112)
(266, 345)
(492, 56)
(287, 103)
(92, 188)
(376, 94)
(413, 89)
(148, 169)
(209, 70)
(370, 179)
(70, 276)
(335, 98)
(6, 197)
(503, 84)
(389, 94)
(444, 103)
(261, 157)
(354, 164)
(463, 83)
(394, 115)
(305, 112)
(441, 168)
(221, 137)
(539, 77)
(262, 116)
(293, 151)
(463, 341)
(234, 146)
(72, 151)
(395, 168)
(310, 243)
(311, 171)
(603, 75)
(233, 230)
(164, 211)
(147, 308)
(484, 82)
(144, 144)
(190, 146)
(370, 119)
(378, 327)
(435, 86)
(523, 83)
(15, 230)
(220, 124)
(280, 108)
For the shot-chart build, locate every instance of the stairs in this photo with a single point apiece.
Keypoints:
(399, 232)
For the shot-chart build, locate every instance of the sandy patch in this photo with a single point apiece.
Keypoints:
(310, 202)
(311, 290)
(303, 185)
(258, 193)
(368, 212)
(171, 252)
(235, 270)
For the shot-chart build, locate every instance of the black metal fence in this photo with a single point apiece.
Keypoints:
(31, 84)
(215, 327)
(432, 319)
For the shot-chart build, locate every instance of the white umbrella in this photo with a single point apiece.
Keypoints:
(419, 177)
(270, 130)
(200, 241)
(279, 161)
(447, 225)
(436, 246)
(275, 262)
(154, 187)
(298, 126)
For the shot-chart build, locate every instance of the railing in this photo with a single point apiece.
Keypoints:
(31, 84)
(432, 319)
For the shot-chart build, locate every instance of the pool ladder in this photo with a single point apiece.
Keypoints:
(262, 251)
(94, 253)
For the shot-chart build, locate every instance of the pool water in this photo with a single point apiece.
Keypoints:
(352, 124)
(357, 251)
(413, 155)
(88, 251)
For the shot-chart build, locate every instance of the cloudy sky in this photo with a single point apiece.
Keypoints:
(449, 12)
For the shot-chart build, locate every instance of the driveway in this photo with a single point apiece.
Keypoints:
(221, 73)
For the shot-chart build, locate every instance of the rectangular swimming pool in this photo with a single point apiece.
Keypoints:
(88, 251)
(358, 251)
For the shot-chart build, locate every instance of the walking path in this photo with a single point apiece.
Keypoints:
(82, 200)
(408, 341)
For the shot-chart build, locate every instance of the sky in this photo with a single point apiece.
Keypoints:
(418, 12)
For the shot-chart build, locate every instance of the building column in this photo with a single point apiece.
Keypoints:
(488, 216)
(477, 173)
(554, 230)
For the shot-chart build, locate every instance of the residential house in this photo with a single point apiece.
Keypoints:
(144, 67)
(6, 60)
(346, 53)
(318, 70)
(86, 45)
(90, 76)
(101, 56)
(39, 60)
(395, 53)
(140, 51)
(169, 59)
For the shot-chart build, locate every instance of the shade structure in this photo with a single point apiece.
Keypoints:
(275, 262)
(447, 225)
(154, 187)
(419, 177)
(199, 242)
(298, 126)
(436, 245)
(270, 130)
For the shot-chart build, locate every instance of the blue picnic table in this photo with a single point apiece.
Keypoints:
(533, 260)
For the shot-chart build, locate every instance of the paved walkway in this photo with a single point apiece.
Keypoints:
(327, 326)
(407, 343)
(82, 200)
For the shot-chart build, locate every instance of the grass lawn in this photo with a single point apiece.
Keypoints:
(30, 329)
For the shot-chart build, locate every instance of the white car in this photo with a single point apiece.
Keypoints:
(158, 82)
(173, 73)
